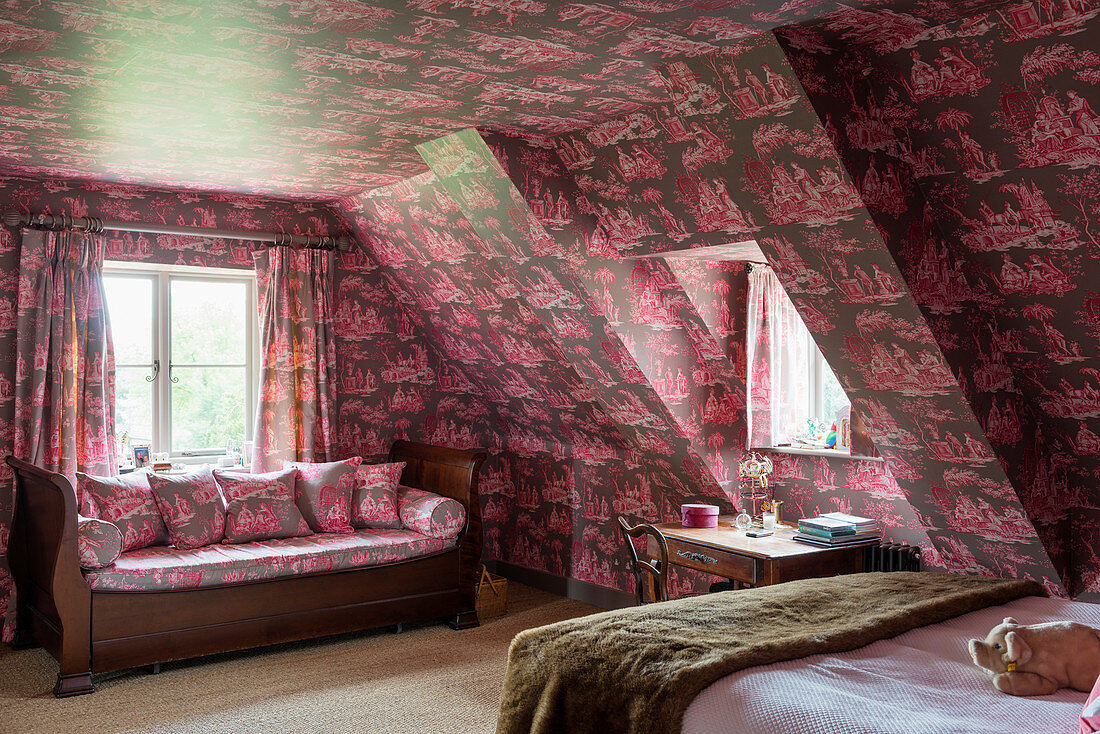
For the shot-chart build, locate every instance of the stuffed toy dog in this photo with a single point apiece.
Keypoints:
(1038, 659)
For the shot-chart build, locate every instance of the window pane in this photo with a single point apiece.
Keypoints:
(208, 324)
(133, 403)
(833, 397)
(130, 306)
(207, 407)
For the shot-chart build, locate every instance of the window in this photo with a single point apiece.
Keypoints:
(826, 396)
(186, 349)
(794, 396)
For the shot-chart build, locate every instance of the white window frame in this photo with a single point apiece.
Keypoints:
(162, 277)
(816, 378)
(817, 384)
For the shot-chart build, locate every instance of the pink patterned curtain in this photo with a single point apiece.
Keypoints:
(778, 359)
(65, 364)
(298, 352)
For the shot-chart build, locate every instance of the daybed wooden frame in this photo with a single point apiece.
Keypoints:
(97, 631)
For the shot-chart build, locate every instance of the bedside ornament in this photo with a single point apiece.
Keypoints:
(772, 506)
(753, 473)
(743, 521)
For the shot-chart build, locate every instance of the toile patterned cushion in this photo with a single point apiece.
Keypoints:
(261, 506)
(163, 568)
(374, 501)
(323, 493)
(431, 514)
(191, 506)
(98, 542)
(127, 502)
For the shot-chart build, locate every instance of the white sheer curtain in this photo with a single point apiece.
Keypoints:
(778, 362)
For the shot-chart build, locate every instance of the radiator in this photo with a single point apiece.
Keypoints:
(891, 557)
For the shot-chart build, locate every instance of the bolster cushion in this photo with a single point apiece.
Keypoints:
(98, 542)
(430, 514)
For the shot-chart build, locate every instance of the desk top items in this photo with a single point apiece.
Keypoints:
(754, 491)
(141, 454)
(837, 528)
(699, 516)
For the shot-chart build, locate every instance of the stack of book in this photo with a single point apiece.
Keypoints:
(837, 528)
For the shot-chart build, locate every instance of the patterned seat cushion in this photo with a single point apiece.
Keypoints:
(261, 506)
(431, 514)
(98, 542)
(191, 507)
(163, 568)
(374, 502)
(127, 502)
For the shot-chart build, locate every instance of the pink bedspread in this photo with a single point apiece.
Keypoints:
(922, 681)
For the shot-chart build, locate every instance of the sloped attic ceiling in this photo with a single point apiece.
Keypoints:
(313, 98)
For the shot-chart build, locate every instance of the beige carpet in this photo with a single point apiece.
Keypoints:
(429, 678)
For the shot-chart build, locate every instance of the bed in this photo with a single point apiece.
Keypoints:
(859, 654)
(921, 681)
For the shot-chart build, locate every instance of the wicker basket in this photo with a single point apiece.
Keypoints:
(492, 595)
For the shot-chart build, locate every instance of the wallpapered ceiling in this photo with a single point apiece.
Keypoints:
(327, 97)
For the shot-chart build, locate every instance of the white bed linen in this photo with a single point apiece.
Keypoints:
(921, 682)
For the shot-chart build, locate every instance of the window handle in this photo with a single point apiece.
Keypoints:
(175, 380)
(156, 371)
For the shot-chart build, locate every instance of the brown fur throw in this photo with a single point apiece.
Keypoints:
(636, 670)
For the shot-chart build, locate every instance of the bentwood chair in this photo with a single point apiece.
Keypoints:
(656, 569)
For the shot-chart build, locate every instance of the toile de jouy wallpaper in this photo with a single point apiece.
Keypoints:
(975, 147)
(922, 178)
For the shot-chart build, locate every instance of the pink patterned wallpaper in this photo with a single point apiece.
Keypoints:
(975, 145)
(754, 162)
(575, 441)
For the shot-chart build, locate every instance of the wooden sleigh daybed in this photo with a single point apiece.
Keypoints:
(90, 631)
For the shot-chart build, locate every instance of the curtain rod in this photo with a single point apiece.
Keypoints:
(95, 225)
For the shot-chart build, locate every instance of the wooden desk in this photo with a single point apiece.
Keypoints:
(728, 552)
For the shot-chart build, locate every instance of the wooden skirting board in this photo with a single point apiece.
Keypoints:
(582, 591)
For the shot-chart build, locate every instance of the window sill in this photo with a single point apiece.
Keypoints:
(190, 467)
(828, 453)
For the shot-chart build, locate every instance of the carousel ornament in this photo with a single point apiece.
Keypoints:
(755, 491)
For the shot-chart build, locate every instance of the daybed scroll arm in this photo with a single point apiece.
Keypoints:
(452, 473)
(56, 601)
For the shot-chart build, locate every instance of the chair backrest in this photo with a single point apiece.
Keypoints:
(657, 569)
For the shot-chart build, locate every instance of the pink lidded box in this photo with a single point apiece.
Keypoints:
(699, 516)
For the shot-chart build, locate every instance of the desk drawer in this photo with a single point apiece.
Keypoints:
(710, 560)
